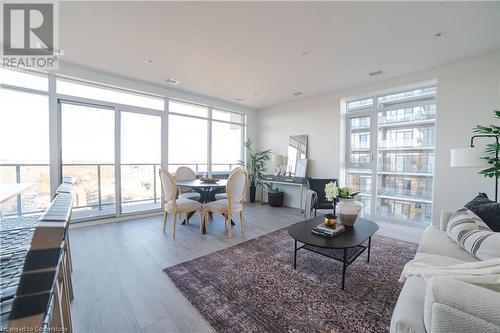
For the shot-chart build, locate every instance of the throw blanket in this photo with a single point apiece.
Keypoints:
(485, 273)
(310, 202)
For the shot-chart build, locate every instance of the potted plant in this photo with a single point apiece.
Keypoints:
(349, 207)
(331, 194)
(255, 165)
(492, 150)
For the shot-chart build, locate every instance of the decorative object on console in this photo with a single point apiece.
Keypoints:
(349, 207)
(277, 163)
(301, 168)
(255, 166)
(471, 157)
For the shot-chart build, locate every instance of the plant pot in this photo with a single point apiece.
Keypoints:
(275, 198)
(252, 193)
(348, 211)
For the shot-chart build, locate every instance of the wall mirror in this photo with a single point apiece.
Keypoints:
(297, 153)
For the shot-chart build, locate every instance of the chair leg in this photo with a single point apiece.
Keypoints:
(241, 222)
(315, 211)
(228, 224)
(187, 218)
(201, 221)
(165, 215)
(175, 222)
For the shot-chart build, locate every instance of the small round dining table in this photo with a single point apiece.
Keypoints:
(205, 190)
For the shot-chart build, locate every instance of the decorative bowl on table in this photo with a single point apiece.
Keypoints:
(330, 220)
(209, 180)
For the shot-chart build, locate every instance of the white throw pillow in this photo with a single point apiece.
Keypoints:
(473, 235)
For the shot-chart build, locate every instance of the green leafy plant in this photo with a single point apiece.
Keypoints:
(491, 149)
(256, 163)
(345, 193)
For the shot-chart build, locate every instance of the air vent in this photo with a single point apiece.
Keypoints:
(298, 93)
(173, 82)
(375, 73)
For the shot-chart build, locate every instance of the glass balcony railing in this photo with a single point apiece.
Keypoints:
(412, 194)
(405, 118)
(407, 143)
(95, 186)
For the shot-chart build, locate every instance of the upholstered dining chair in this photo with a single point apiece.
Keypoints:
(221, 196)
(186, 173)
(176, 205)
(235, 189)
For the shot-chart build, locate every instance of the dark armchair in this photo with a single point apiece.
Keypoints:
(318, 186)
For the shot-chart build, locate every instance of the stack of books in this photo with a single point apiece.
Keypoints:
(328, 231)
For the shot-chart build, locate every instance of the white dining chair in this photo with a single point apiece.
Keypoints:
(235, 189)
(221, 196)
(176, 205)
(185, 173)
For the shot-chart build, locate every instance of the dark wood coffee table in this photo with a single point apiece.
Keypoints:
(345, 247)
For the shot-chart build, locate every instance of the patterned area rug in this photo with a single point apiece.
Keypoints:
(252, 287)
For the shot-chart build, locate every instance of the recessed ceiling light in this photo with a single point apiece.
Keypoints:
(173, 82)
(298, 93)
(239, 99)
(375, 73)
(149, 61)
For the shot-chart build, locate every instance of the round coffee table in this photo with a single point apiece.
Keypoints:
(345, 247)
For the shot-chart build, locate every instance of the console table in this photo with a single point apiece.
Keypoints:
(301, 182)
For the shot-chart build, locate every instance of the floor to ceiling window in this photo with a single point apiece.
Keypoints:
(140, 161)
(399, 129)
(227, 140)
(88, 154)
(24, 138)
(188, 136)
(112, 140)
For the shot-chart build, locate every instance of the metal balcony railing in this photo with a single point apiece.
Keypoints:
(91, 177)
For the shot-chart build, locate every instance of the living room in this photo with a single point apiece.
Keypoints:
(250, 166)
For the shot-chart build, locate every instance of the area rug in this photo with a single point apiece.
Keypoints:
(252, 287)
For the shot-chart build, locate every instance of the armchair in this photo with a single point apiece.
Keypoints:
(318, 185)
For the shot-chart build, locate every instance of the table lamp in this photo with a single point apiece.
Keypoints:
(472, 157)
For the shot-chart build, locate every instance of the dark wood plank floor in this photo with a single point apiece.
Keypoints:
(118, 278)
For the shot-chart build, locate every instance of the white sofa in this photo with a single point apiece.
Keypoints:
(445, 305)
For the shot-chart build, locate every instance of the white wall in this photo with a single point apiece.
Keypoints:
(467, 94)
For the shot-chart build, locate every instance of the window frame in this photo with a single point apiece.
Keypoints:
(373, 111)
(55, 100)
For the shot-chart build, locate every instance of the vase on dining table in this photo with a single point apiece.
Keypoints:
(348, 210)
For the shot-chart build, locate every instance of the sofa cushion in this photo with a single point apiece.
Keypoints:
(408, 315)
(435, 241)
(446, 310)
(463, 221)
(472, 234)
(487, 210)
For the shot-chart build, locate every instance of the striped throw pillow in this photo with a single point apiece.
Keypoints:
(473, 235)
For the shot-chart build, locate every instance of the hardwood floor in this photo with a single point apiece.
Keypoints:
(118, 268)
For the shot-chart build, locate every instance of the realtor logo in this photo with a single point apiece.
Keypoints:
(29, 35)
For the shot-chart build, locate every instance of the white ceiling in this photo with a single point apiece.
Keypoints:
(264, 52)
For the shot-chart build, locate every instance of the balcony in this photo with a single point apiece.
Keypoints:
(416, 195)
(94, 190)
